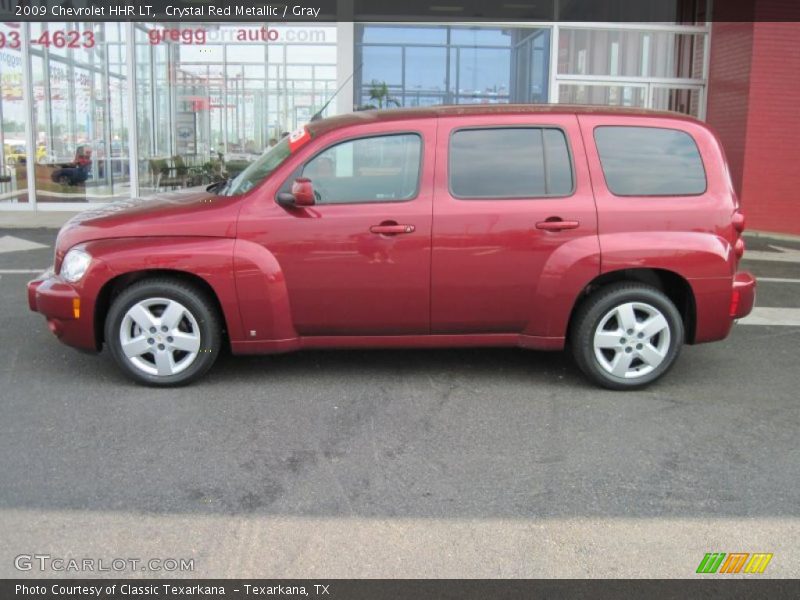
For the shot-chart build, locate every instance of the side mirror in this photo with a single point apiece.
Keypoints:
(302, 194)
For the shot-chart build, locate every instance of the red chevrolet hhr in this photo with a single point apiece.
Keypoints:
(614, 232)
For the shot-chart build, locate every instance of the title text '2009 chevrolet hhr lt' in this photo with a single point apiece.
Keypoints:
(616, 233)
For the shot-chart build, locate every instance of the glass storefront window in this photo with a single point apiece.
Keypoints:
(425, 75)
(383, 64)
(648, 68)
(204, 110)
(676, 99)
(425, 65)
(603, 94)
(79, 112)
(13, 144)
(208, 110)
(630, 53)
(483, 75)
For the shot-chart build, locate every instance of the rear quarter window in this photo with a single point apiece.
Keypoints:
(650, 161)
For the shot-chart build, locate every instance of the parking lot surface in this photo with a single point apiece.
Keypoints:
(445, 463)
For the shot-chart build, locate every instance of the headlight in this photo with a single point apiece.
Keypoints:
(75, 264)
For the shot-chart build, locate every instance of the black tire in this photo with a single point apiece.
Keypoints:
(194, 300)
(594, 310)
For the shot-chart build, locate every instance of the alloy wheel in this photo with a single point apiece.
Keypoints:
(631, 340)
(160, 336)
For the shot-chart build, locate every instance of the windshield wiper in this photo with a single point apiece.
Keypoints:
(218, 186)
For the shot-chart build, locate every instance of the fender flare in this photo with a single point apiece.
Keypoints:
(266, 313)
(697, 257)
(690, 254)
(208, 259)
(564, 276)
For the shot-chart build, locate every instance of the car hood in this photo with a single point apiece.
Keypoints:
(188, 212)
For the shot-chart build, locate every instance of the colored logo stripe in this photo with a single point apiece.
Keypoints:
(734, 562)
(757, 563)
(711, 562)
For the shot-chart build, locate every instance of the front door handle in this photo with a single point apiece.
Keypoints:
(392, 229)
(557, 224)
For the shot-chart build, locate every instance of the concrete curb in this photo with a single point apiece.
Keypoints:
(786, 237)
(19, 219)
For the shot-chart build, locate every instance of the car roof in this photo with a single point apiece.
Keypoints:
(458, 110)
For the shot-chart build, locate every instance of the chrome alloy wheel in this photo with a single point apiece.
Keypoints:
(631, 340)
(160, 336)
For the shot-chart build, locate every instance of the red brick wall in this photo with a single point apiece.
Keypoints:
(771, 176)
(729, 90)
(753, 100)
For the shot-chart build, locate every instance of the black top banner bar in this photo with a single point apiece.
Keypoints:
(401, 589)
(685, 12)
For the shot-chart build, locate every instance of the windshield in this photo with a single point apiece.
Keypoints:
(258, 171)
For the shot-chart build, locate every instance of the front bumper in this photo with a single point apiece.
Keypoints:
(743, 295)
(69, 315)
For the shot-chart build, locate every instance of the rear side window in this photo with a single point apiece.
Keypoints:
(520, 162)
(373, 169)
(649, 161)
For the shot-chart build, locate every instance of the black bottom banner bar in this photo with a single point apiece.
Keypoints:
(389, 589)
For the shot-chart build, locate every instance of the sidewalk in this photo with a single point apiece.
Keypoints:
(33, 220)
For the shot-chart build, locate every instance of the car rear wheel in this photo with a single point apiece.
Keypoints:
(163, 332)
(627, 335)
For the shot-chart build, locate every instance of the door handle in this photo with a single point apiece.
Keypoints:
(392, 229)
(557, 224)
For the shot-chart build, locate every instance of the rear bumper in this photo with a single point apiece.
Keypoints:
(743, 294)
(719, 301)
(69, 316)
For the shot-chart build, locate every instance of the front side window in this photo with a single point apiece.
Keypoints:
(373, 169)
(650, 161)
(259, 170)
(513, 162)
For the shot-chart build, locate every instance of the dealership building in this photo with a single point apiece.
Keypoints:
(149, 107)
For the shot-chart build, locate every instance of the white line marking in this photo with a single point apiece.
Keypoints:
(783, 254)
(786, 317)
(778, 280)
(9, 243)
(20, 271)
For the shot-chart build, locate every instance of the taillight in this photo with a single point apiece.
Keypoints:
(738, 221)
(738, 248)
(735, 297)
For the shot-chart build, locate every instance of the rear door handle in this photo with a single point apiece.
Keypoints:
(557, 225)
(393, 229)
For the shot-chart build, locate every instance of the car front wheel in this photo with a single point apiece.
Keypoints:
(163, 332)
(627, 335)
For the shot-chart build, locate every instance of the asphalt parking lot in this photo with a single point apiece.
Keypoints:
(446, 463)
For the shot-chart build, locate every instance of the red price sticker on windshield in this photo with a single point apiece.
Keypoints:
(298, 138)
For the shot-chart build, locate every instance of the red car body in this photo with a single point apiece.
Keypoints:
(478, 273)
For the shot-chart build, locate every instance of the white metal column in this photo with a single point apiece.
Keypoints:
(345, 50)
(552, 86)
(30, 121)
(133, 131)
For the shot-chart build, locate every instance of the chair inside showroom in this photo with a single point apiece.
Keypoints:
(169, 172)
